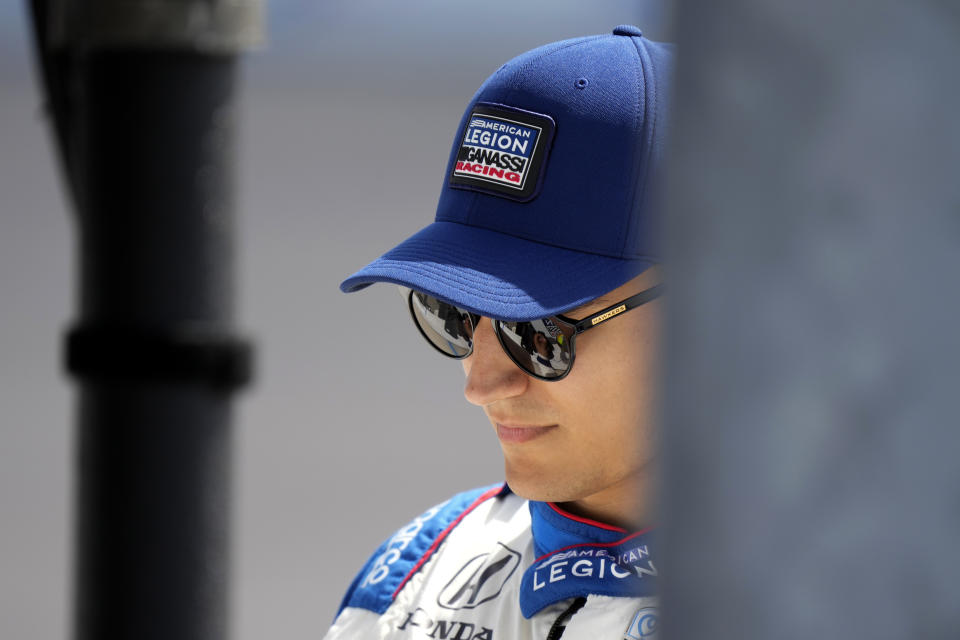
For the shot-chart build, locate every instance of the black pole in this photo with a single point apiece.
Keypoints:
(145, 119)
(154, 423)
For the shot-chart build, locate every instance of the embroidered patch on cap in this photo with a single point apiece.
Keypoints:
(503, 151)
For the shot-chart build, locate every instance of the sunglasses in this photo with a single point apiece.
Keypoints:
(544, 348)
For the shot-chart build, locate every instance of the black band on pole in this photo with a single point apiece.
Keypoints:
(190, 355)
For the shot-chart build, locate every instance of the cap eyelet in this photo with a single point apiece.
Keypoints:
(581, 83)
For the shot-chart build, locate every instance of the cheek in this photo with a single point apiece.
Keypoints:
(617, 376)
(598, 395)
(608, 368)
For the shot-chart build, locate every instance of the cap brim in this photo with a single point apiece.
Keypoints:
(495, 274)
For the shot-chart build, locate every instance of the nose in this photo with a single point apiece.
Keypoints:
(491, 375)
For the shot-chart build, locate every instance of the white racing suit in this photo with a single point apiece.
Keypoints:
(489, 565)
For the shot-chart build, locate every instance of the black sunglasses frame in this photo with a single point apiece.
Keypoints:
(578, 326)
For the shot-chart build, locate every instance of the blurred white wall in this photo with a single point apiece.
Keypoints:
(354, 426)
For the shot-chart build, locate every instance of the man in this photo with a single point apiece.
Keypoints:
(537, 275)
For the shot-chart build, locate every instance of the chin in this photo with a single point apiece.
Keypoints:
(540, 488)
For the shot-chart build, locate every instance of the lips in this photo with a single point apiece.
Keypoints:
(521, 433)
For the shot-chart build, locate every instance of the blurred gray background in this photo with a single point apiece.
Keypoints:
(353, 426)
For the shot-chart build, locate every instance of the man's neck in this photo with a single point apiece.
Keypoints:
(628, 504)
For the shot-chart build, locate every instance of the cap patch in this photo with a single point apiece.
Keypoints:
(503, 152)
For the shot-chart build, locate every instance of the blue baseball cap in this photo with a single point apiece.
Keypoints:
(546, 199)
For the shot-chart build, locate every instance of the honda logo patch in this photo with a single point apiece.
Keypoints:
(480, 580)
(503, 151)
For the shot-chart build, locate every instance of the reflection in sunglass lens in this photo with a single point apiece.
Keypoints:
(444, 325)
(542, 347)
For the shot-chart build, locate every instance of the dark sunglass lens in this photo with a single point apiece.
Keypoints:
(541, 347)
(446, 327)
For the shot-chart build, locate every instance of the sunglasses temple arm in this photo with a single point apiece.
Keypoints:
(616, 309)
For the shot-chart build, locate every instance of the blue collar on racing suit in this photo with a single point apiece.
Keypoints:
(580, 557)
